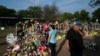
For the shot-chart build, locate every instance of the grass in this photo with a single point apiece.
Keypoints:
(2, 40)
(3, 34)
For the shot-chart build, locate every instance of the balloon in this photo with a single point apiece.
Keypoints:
(45, 26)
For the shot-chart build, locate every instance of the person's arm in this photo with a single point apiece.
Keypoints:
(80, 32)
(49, 38)
(56, 33)
(77, 29)
(67, 42)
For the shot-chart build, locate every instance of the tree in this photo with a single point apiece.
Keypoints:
(68, 16)
(22, 13)
(3, 9)
(35, 12)
(50, 12)
(77, 15)
(46, 12)
(5, 12)
(96, 14)
(83, 15)
(11, 13)
(54, 11)
(94, 3)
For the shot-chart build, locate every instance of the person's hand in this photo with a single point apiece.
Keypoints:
(77, 29)
(68, 48)
(47, 43)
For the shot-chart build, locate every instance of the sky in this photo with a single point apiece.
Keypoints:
(63, 5)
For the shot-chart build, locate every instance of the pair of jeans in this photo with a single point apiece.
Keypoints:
(53, 49)
(76, 52)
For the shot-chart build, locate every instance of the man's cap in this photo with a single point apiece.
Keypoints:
(77, 23)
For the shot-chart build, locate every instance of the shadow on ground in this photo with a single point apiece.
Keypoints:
(61, 45)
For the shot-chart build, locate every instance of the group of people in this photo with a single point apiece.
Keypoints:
(47, 46)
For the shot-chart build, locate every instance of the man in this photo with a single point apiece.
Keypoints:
(74, 40)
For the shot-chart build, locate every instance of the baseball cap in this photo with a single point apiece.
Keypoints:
(77, 23)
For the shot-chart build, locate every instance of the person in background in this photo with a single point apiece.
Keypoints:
(20, 32)
(38, 29)
(74, 40)
(52, 40)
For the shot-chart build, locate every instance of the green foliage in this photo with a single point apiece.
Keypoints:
(5, 12)
(77, 15)
(22, 13)
(96, 14)
(83, 15)
(35, 12)
(31, 12)
(67, 16)
(94, 3)
(11, 12)
(50, 12)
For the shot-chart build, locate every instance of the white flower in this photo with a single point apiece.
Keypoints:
(11, 39)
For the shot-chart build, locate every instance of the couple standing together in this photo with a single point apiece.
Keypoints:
(74, 41)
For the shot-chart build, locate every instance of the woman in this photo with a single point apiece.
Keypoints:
(52, 40)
